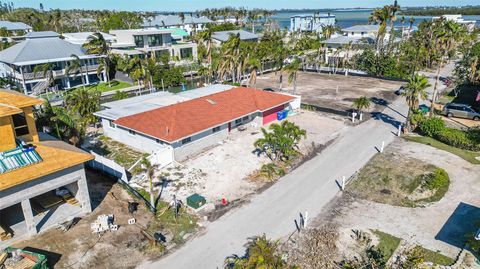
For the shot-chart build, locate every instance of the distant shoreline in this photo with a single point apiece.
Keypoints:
(431, 11)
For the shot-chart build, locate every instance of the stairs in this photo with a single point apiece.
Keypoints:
(40, 87)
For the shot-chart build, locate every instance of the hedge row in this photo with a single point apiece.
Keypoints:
(435, 127)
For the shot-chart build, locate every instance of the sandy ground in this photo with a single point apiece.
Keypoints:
(321, 89)
(79, 248)
(222, 170)
(440, 226)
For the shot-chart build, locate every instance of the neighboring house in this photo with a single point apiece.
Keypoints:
(311, 22)
(81, 38)
(152, 42)
(365, 30)
(189, 23)
(223, 36)
(14, 29)
(179, 127)
(19, 61)
(458, 18)
(41, 34)
(32, 167)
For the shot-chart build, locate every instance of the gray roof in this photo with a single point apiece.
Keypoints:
(38, 50)
(143, 103)
(82, 37)
(174, 20)
(363, 28)
(343, 40)
(225, 35)
(41, 34)
(322, 15)
(15, 26)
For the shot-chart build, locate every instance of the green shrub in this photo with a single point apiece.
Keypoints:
(469, 140)
(437, 180)
(432, 126)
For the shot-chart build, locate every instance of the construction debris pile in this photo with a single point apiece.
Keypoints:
(20, 259)
(103, 223)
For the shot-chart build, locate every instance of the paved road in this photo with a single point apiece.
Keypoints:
(273, 212)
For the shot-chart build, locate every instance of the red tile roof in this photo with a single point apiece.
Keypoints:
(174, 122)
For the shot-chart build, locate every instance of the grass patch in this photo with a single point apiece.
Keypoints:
(120, 153)
(387, 244)
(115, 85)
(467, 155)
(434, 256)
(390, 178)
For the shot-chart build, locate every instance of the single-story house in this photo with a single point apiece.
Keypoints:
(181, 130)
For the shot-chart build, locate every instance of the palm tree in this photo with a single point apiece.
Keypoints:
(84, 103)
(361, 104)
(329, 30)
(206, 37)
(149, 170)
(96, 44)
(380, 17)
(75, 67)
(415, 90)
(261, 253)
(292, 71)
(46, 70)
(253, 64)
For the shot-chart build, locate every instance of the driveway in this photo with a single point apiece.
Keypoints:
(274, 211)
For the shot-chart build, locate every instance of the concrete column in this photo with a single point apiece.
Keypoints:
(68, 82)
(83, 196)
(28, 215)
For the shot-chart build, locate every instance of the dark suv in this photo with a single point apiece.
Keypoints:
(460, 111)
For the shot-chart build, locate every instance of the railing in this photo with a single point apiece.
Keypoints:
(56, 73)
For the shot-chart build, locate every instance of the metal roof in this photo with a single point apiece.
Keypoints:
(15, 26)
(174, 20)
(138, 104)
(321, 15)
(82, 37)
(41, 34)
(363, 28)
(343, 40)
(40, 50)
(225, 35)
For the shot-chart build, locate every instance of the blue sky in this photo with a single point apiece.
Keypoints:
(192, 5)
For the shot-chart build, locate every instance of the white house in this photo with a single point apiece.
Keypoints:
(152, 41)
(458, 18)
(223, 36)
(81, 38)
(311, 22)
(19, 61)
(189, 23)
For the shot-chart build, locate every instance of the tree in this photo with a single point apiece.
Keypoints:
(149, 170)
(329, 30)
(253, 64)
(281, 142)
(414, 91)
(96, 44)
(292, 71)
(46, 70)
(361, 104)
(119, 95)
(468, 68)
(75, 66)
(84, 103)
(261, 253)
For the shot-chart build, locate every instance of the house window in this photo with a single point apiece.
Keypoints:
(111, 124)
(216, 129)
(245, 118)
(186, 140)
(155, 40)
(138, 39)
(131, 132)
(158, 141)
(20, 124)
(186, 53)
(238, 121)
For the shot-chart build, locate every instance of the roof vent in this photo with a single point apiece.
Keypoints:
(211, 101)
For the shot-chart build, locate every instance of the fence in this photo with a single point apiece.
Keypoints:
(109, 167)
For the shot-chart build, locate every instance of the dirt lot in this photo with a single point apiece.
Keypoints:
(440, 226)
(321, 89)
(79, 248)
(223, 170)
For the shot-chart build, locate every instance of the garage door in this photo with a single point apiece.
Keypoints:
(271, 115)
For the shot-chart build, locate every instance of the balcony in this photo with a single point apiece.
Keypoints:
(56, 73)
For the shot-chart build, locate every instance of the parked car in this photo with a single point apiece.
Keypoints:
(460, 111)
(400, 91)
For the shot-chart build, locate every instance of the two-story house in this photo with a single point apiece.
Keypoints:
(152, 42)
(311, 22)
(37, 172)
(189, 23)
(19, 62)
(13, 30)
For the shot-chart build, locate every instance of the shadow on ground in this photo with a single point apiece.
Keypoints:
(463, 221)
